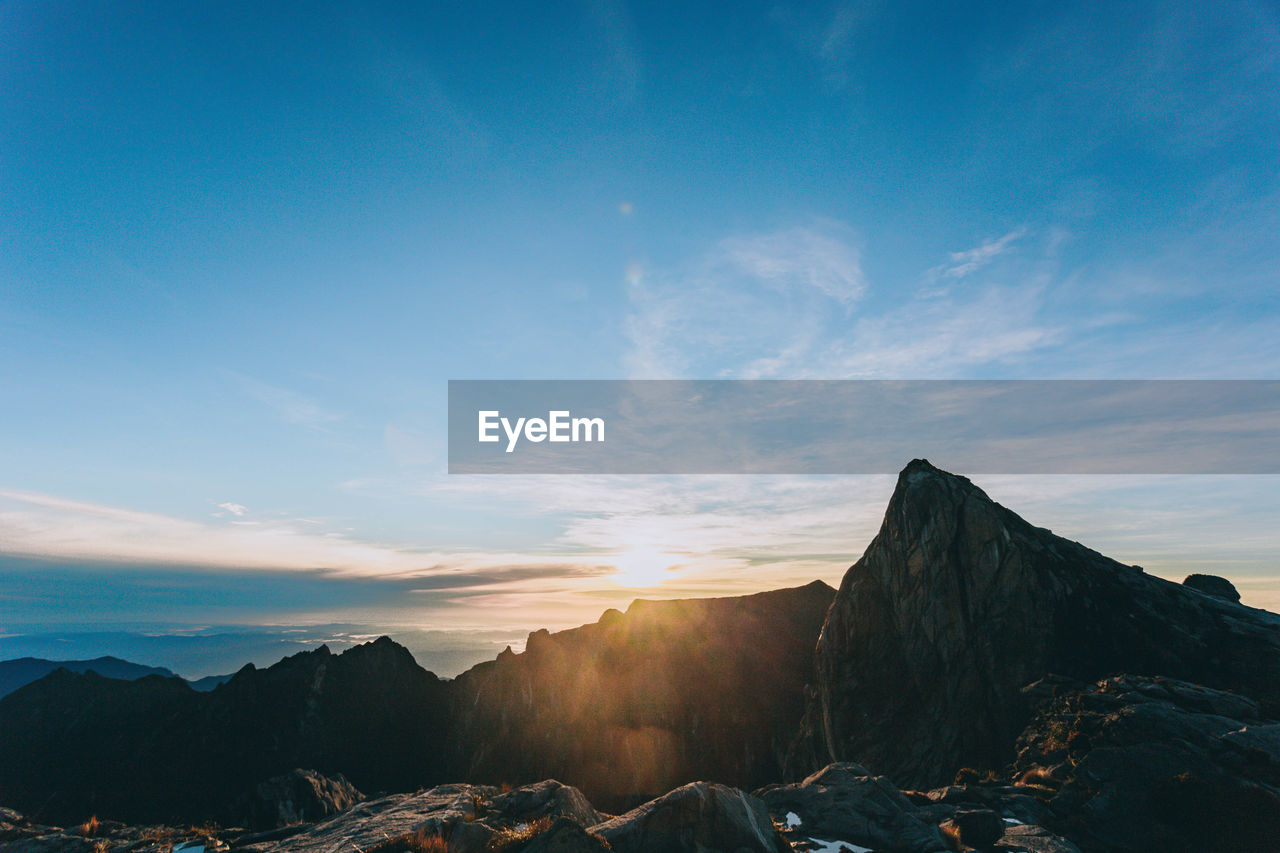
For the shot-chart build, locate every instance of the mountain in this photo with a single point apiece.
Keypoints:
(958, 603)
(15, 673)
(1077, 703)
(209, 682)
(19, 671)
(643, 701)
(154, 749)
(670, 690)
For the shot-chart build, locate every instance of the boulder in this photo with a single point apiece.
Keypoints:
(299, 796)
(435, 812)
(843, 802)
(548, 798)
(1212, 585)
(699, 818)
(979, 828)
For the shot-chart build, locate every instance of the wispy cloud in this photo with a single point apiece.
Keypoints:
(828, 36)
(961, 264)
(747, 303)
(290, 406)
(52, 527)
(233, 508)
(782, 306)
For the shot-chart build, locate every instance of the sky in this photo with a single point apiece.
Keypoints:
(244, 246)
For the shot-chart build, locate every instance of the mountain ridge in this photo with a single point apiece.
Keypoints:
(966, 644)
(958, 603)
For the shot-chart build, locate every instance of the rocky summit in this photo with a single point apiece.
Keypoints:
(976, 683)
(643, 701)
(958, 603)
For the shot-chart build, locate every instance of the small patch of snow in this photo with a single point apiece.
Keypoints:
(1013, 821)
(793, 820)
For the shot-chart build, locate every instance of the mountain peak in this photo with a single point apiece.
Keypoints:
(958, 602)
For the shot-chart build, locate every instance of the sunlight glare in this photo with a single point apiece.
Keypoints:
(642, 567)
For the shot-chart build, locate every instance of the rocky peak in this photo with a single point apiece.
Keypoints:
(631, 705)
(958, 603)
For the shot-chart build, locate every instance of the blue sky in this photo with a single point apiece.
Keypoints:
(244, 246)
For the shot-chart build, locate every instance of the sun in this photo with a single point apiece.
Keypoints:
(642, 567)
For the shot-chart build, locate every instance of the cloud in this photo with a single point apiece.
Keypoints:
(970, 261)
(828, 36)
(936, 336)
(800, 258)
(748, 303)
(290, 406)
(781, 305)
(234, 509)
(52, 527)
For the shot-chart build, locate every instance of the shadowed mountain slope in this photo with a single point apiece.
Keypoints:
(154, 749)
(958, 603)
(643, 701)
(672, 690)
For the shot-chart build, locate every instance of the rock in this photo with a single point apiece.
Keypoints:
(842, 802)
(435, 812)
(1212, 585)
(958, 603)
(95, 836)
(978, 828)
(699, 818)
(548, 798)
(470, 837)
(1257, 742)
(1154, 763)
(1035, 839)
(55, 842)
(299, 796)
(565, 836)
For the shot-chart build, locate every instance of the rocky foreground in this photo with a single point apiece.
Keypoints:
(976, 683)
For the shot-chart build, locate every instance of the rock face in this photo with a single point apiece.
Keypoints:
(958, 603)
(637, 703)
(844, 802)
(155, 750)
(434, 812)
(299, 796)
(697, 818)
(1143, 763)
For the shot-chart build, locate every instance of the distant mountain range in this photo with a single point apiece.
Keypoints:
(1056, 687)
(15, 673)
